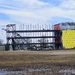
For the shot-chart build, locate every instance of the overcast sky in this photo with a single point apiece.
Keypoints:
(36, 12)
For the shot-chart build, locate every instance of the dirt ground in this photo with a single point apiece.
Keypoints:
(50, 52)
(20, 58)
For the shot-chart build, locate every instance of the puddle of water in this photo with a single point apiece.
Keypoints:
(12, 72)
(31, 70)
(67, 71)
(24, 72)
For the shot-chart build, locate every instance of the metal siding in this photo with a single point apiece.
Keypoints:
(68, 38)
(57, 27)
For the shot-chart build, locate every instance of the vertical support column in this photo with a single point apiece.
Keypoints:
(10, 27)
(58, 39)
(7, 35)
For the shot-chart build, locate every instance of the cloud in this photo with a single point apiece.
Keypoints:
(68, 4)
(36, 11)
(23, 10)
(23, 4)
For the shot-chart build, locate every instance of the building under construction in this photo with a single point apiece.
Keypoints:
(68, 34)
(40, 37)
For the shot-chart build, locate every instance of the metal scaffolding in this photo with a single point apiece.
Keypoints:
(32, 37)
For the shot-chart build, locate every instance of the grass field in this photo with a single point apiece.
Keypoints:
(54, 60)
(18, 59)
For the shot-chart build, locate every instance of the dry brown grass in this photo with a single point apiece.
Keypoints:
(18, 59)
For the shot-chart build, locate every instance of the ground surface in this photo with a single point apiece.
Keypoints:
(52, 62)
(48, 52)
(18, 59)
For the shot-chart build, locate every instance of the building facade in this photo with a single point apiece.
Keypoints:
(68, 34)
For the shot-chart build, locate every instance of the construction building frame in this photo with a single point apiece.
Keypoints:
(32, 39)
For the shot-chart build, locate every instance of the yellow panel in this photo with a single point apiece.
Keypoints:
(68, 38)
